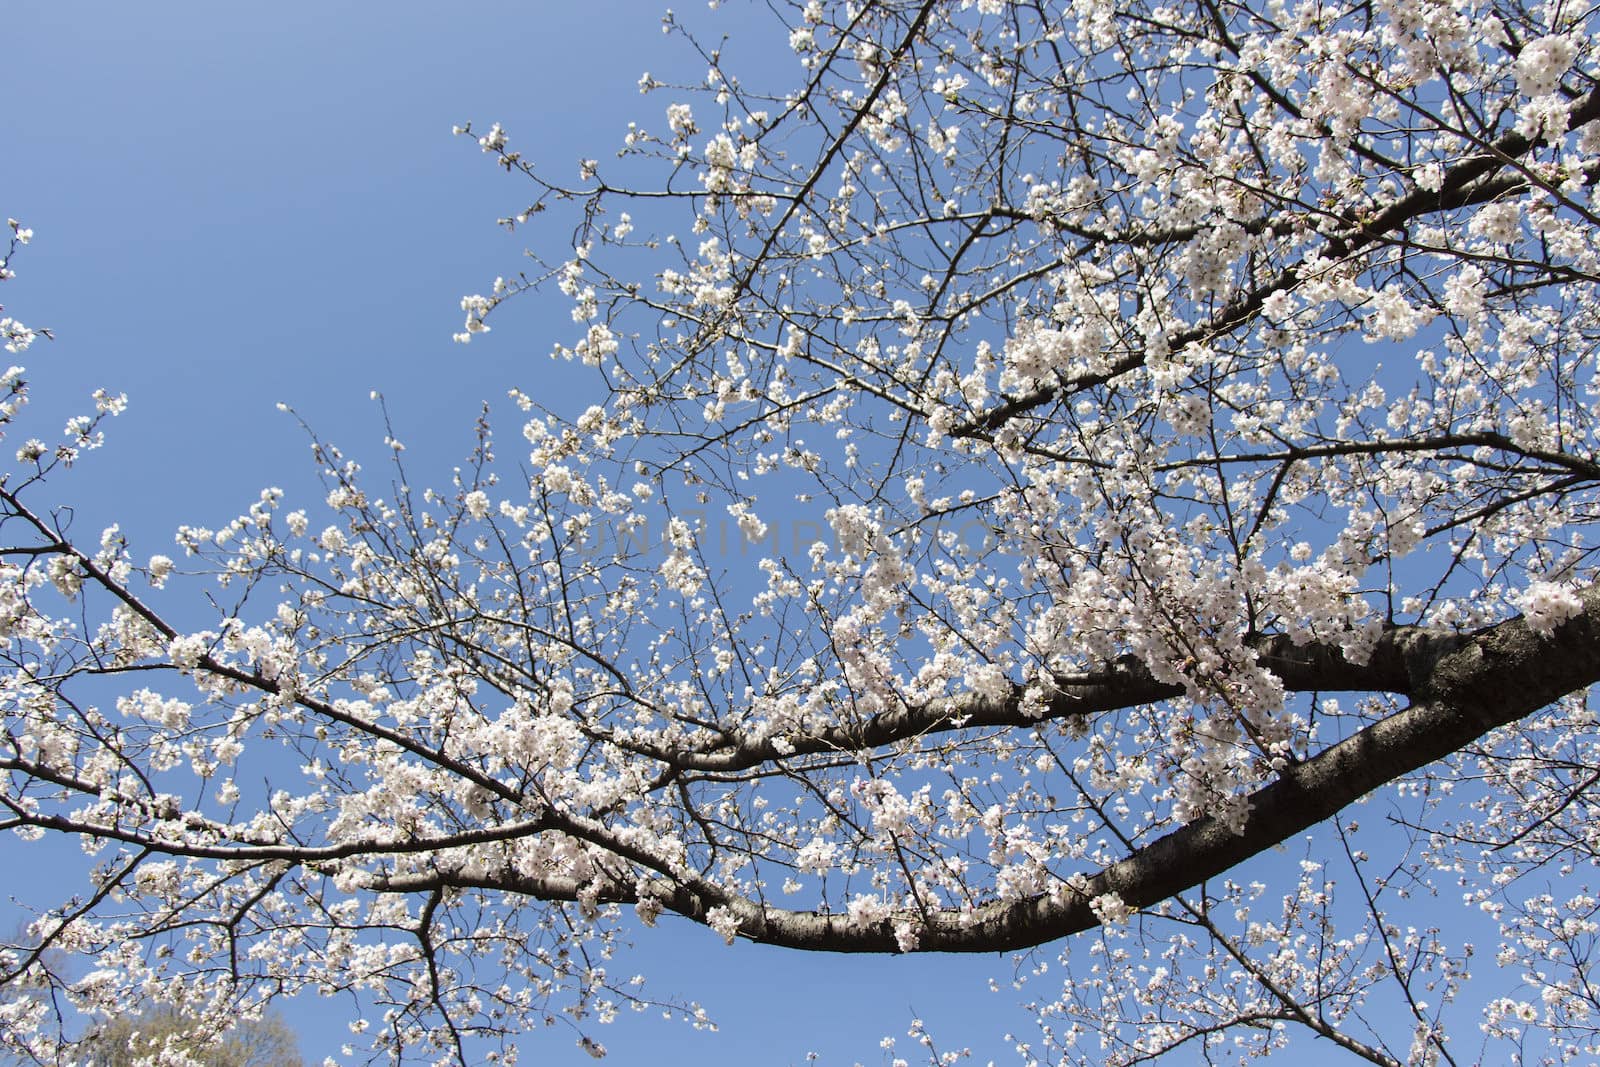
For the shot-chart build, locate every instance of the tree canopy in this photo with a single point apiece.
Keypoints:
(1048, 454)
(129, 1039)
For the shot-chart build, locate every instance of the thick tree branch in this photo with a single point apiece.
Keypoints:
(1463, 688)
(1400, 659)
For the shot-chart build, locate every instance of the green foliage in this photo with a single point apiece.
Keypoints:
(133, 1041)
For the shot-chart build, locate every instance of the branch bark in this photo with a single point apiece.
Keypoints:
(1462, 688)
(1398, 663)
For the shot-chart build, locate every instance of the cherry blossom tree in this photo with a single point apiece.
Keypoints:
(1048, 454)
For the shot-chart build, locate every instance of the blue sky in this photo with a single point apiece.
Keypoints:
(236, 205)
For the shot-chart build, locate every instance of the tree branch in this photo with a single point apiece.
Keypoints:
(1486, 680)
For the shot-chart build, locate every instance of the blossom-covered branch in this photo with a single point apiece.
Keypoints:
(1050, 459)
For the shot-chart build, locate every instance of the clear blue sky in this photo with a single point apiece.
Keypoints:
(237, 205)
